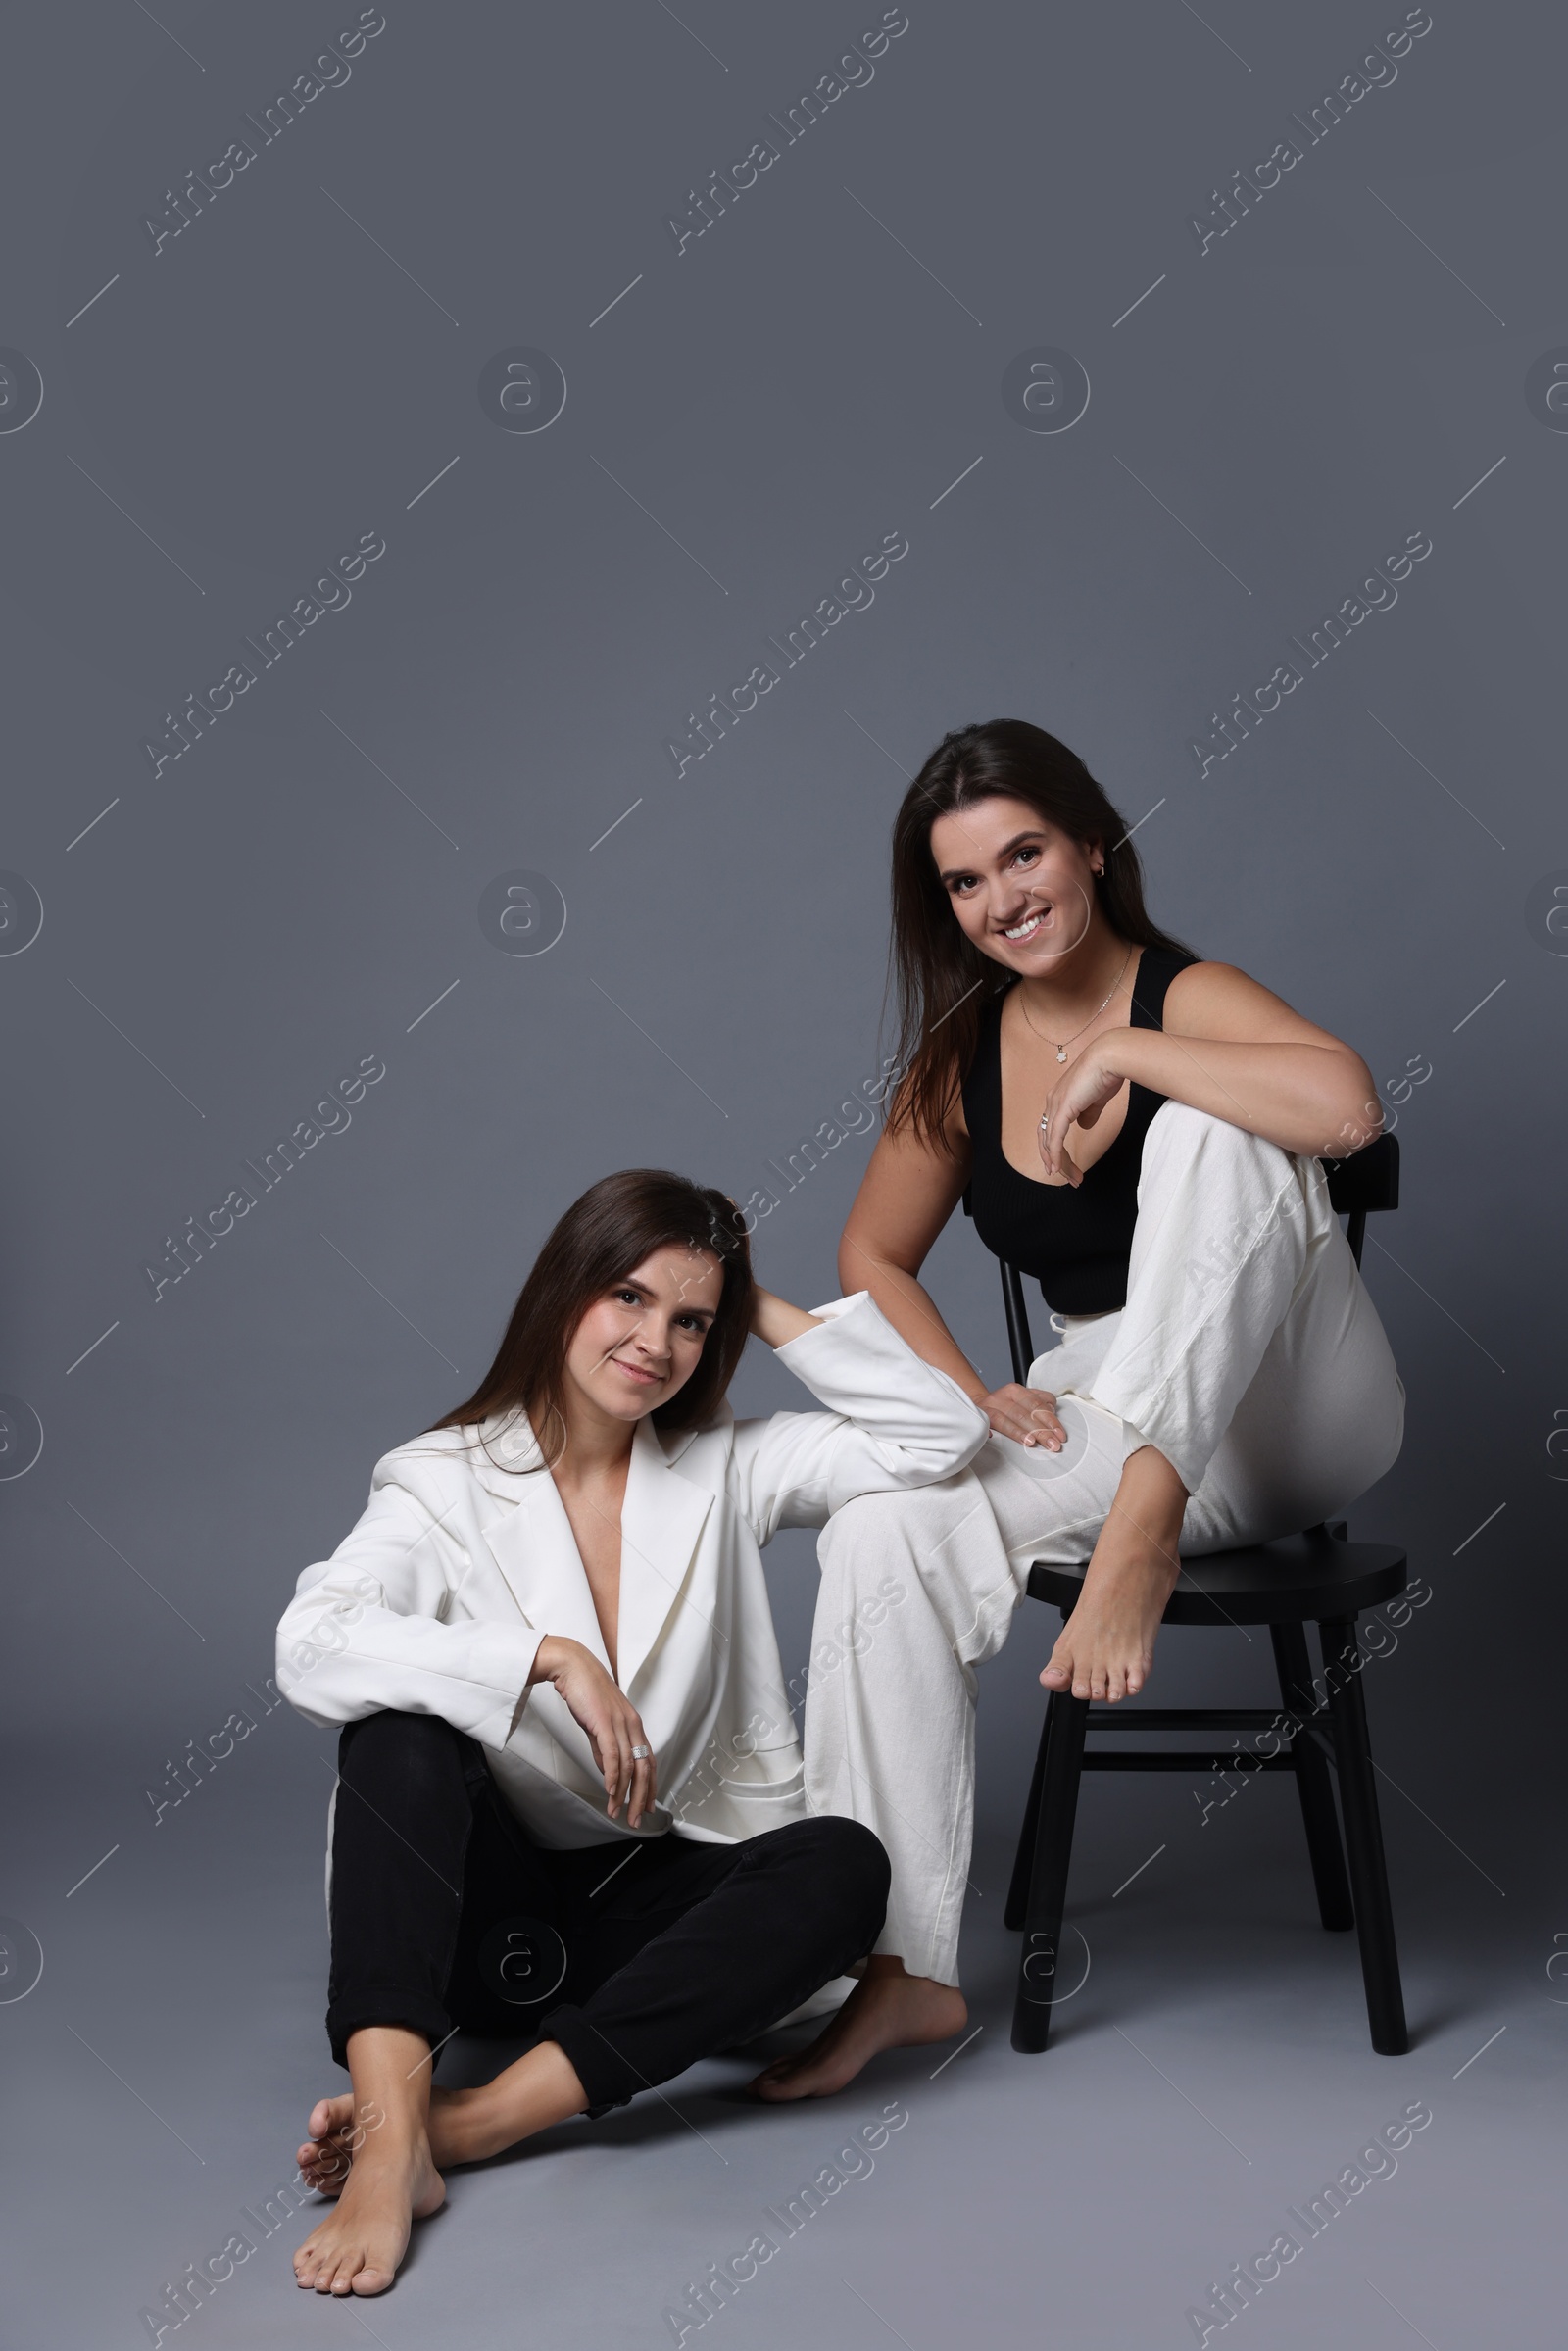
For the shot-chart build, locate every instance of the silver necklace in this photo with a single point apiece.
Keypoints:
(1062, 1050)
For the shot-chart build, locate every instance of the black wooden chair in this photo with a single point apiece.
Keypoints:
(1318, 1576)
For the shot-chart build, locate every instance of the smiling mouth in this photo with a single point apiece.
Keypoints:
(1031, 923)
(646, 1379)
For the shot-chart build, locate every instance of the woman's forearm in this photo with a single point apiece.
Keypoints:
(776, 1322)
(1309, 1099)
(911, 1310)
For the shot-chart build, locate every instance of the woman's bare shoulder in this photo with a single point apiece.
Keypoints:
(1223, 1001)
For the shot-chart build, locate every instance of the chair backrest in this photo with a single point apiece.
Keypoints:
(1358, 1186)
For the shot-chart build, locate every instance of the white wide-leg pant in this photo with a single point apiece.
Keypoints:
(1248, 1353)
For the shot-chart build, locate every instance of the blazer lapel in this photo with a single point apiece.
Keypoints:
(531, 1541)
(662, 1522)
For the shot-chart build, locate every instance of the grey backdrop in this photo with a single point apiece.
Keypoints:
(1365, 354)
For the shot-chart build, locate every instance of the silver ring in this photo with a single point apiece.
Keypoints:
(1045, 1120)
(641, 1754)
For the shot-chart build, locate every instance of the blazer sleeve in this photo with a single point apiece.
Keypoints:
(891, 1421)
(365, 1629)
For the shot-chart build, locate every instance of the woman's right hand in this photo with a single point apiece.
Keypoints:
(613, 1724)
(1027, 1414)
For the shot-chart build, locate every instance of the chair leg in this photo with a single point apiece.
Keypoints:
(1312, 1784)
(1023, 1858)
(1047, 1874)
(1363, 1837)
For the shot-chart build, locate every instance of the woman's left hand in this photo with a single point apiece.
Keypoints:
(1076, 1100)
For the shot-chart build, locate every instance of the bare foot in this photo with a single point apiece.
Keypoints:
(888, 2009)
(463, 2128)
(1106, 1645)
(336, 2139)
(358, 2245)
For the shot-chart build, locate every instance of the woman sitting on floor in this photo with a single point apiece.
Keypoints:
(554, 1606)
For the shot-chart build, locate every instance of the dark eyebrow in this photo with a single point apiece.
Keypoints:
(951, 873)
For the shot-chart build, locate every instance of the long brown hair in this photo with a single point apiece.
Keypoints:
(940, 980)
(617, 1224)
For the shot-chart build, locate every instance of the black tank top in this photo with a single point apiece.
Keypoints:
(1075, 1242)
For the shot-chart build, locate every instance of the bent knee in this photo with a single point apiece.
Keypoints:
(871, 1515)
(849, 1865)
(386, 1727)
(1176, 1127)
(903, 1523)
(413, 1750)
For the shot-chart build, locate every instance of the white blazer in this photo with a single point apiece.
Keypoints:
(465, 1560)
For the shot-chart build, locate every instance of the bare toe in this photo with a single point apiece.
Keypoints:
(357, 2246)
(323, 2166)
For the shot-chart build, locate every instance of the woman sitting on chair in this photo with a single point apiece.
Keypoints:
(552, 1606)
(1141, 1131)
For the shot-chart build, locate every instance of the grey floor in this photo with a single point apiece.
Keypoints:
(1212, 2069)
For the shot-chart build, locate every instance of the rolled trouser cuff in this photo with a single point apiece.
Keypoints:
(608, 2079)
(391, 2004)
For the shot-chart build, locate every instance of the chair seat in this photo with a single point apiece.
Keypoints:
(1298, 1579)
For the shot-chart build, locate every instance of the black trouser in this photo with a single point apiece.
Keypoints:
(637, 1958)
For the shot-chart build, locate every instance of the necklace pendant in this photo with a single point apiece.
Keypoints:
(1061, 1055)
